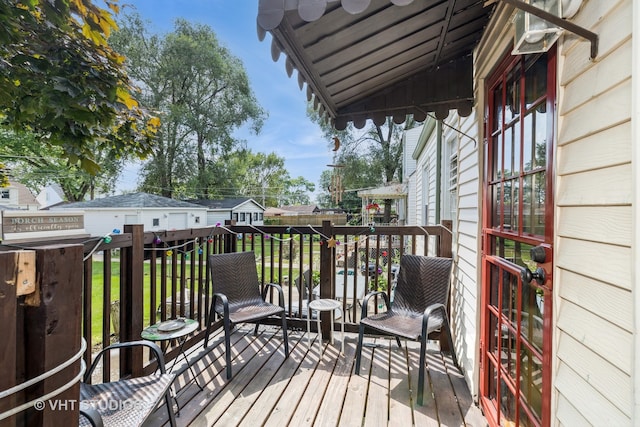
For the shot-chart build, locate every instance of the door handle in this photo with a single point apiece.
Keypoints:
(539, 275)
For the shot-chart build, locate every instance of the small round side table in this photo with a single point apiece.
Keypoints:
(176, 329)
(321, 305)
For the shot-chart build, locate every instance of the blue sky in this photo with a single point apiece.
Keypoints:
(287, 131)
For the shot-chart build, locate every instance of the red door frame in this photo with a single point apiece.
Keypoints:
(499, 75)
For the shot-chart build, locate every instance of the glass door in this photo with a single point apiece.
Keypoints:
(517, 246)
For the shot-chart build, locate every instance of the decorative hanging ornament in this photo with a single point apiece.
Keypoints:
(157, 240)
(331, 243)
(106, 239)
(169, 252)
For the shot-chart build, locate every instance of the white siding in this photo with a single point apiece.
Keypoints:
(593, 340)
(466, 232)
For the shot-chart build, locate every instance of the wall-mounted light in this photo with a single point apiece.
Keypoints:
(534, 34)
(539, 23)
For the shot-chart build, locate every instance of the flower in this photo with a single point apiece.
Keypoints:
(373, 206)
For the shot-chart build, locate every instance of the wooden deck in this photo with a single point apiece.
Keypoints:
(269, 390)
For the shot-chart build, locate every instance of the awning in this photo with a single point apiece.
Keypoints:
(391, 191)
(369, 59)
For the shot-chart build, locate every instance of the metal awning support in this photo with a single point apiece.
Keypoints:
(558, 21)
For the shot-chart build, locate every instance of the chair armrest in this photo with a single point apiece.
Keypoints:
(365, 302)
(225, 303)
(153, 346)
(427, 313)
(278, 288)
(93, 416)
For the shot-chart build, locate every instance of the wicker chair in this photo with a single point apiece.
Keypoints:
(126, 402)
(237, 298)
(418, 308)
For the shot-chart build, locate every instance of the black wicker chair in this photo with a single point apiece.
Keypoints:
(237, 298)
(126, 402)
(418, 309)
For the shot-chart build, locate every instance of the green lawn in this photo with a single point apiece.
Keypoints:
(97, 294)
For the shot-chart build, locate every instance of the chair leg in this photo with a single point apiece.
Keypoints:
(450, 338)
(284, 335)
(169, 403)
(398, 341)
(255, 331)
(423, 350)
(227, 345)
(359, 349)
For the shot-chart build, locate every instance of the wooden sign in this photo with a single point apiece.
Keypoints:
(20, 226)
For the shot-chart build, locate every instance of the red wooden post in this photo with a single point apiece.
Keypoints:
(131, 300)
(52, 334)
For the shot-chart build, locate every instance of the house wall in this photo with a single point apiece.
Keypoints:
(465, 298)
(594, 312)
(593, 318)
(99, 222)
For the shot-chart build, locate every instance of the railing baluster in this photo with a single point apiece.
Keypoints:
(106, 313)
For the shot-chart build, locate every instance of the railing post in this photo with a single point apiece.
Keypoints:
(446, 240)
(52, 333)
(131, 300)
(8, 319)
(326, 275)
(229, 239)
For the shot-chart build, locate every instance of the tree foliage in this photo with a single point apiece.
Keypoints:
(203, 95)
(62, 82)
(369, 158)
(37, 167)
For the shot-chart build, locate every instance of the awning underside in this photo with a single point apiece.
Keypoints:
(386, 60)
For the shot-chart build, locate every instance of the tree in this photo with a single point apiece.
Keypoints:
(37, 166)
(62, 82)
(296, 192)
(203, 94)
(369, 159)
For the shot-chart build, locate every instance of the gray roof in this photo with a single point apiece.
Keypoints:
(228, 203)
(133, 200)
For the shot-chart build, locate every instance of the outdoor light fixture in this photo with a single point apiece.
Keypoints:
(534, 34)
(539, 23)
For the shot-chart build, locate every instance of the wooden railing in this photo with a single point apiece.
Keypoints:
(134, 279)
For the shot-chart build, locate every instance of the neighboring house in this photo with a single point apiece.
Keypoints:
(17, 196)
(409, 143)
(157, 213)
(50, 195)
(301, 209)
(534, 158)
(242, 210)
(272, 212)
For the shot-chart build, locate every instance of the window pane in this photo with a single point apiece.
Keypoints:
(540, 139)
(512, 109)
(497, 108)
(497, 157)
(497, 203)
(531, 380)
(527, 143)
(508, 206)
(508, 152)
(535, 81)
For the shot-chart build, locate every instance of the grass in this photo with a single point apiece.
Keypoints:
(97, 291)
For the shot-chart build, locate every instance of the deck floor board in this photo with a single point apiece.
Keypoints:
(269, 390)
